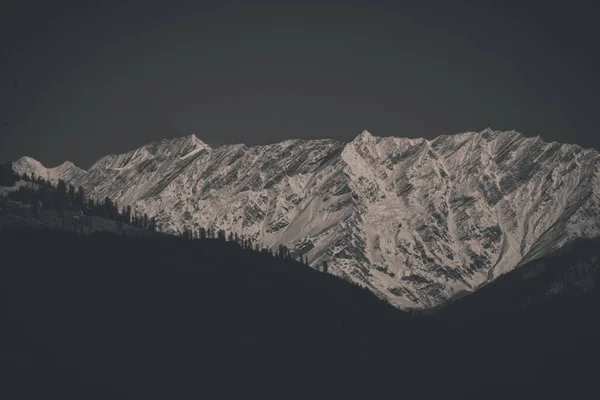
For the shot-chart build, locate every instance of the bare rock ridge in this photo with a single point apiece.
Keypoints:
(415, 220)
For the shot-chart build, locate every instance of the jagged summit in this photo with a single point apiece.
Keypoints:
(415, 220)
(364, 136)
(66, 164)
(178, 143)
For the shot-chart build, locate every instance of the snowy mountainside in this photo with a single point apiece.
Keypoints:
(67, 170)
(415, 220)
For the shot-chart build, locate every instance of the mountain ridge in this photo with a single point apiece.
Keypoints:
(415, 220)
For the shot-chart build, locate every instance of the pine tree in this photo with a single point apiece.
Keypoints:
(91, 206)
(128, 215)
(72, 194)
(80, 197)
(283, 252)
(61, 196)
(202, 232)
(108, 208)
(152, 224)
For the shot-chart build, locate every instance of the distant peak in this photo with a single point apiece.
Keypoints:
(489, 131)
(364, 136)
(29, 160)
(66, 166)
(193, 139)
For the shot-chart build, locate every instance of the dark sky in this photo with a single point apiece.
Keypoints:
(82, 79)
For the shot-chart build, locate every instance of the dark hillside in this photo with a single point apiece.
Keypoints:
(556, 294)
(127, 309)
(159, 314)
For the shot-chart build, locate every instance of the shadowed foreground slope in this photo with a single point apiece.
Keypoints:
(141, 315)
(554, 295)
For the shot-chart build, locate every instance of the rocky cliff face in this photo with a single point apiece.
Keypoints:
(415, 220)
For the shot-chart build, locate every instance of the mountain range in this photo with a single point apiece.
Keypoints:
(417, 221)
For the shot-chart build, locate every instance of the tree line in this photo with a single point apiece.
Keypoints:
(63, 198)
(281, 252)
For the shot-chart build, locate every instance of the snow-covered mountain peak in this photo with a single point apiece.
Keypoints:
(66, 171)
(363, 137)
(30, 162)
(415, 220)
(193, 140)
(180, 145)
(65, 166)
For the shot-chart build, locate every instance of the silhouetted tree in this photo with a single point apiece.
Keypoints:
(72, 194)
(128, 214)
(282, 252)
(108, 205)
(152, 224)
(80, 198)
(325, 267)
(202, 233)
(90, 206)
(61, 198)
(46, 196)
